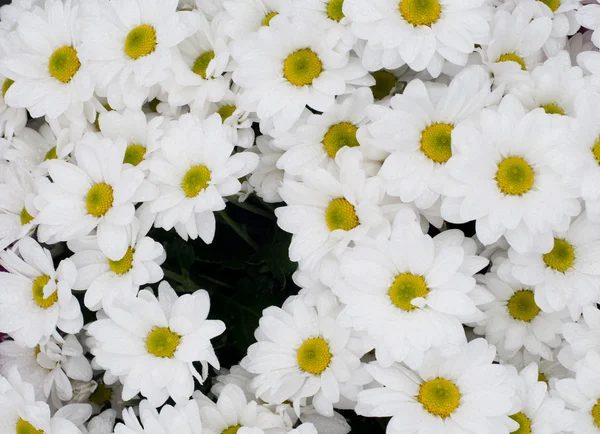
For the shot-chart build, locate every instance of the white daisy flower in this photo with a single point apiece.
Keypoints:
(462, 393)
(35, 297)
(20, 413)
(105, 280)
(235, 375)
(514, 320)
(566, 276)
(164, 336)
(232, 411)
(50, 76)
(582, 394)
(32, 148)
(417, 130)
(300, 353)
(181, 418)
(317, 142)
(141, 133)
(99, 191)
(549, 371)
(421, 34)
(12, 119)
(510, 172)
(248, 16)
(129, 44)
(418, 286)
(326, 213)
(49, 367)
(581, 337)
(289, 65)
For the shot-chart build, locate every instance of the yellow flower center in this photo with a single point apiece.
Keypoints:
(195, 180)
(134, 154)
(553, 109)
(37, 350)
(420, 12)
(51, 154)
(512, 57)
(522, 306)
(514, 176)
(6, 85)
(439, 397)
(101, 395)
(552, 4)
(37, 290)
(405, 288)
(201, 63)
(436, 142)
(524, 423)
(338, 136)
(24, 427)
(341, 214)
(64, 64)
(384, 83)
(561, 257)
(162, 342)
(124, 264)
(153, 105)
(314, 356)
(542, 377)
(596, 151)
(231, 430)
(99, 199)
(140, 41)
(26, 218)
(301, 67)
(226, 111)
(267, 20)
(334, 10)
(596, 413)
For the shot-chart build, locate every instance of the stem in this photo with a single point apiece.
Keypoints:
(182, 280)
(238, 230)
(251, 208)
(215, 281)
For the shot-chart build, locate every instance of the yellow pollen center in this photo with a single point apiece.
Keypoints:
(522, 306)
(439, 397)
(420, 12)
(314, 356)
(267, 20)
(552, 4)
(542, 377)
(134, 154)
(6, 85)
(301, 67)
(561, 257)
(512, 57)
(553, 109)
(226, 111)
(162, 342)
(596, 413)
(37, 350)
(231, 430)
(99, 199)
(514, 176)
(140, 41)
(101, 395)
(201, 63)
(338, 136)
(64, 64)
(524, 423)
(384, 83)
(341, 214)
(124, 264)
(37, 290)
(436, 142)
(596, 151)
(405, 288)
(26, 218)
(334, 10)
(195, 180)
(51, 154)
(24, 427)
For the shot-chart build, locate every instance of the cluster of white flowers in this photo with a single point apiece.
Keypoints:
(387, 128)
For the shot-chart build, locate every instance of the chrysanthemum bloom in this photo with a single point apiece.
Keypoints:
(181, 418)
(513, 174)
(49, 75)
(418, 286)
(248, 16)
(422, 34)
(581, 337)
(35, 297)
(151, 343)
(12, 119)
(460, 393)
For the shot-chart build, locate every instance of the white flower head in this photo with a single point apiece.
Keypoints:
(581, 337)
(183, 417)
(248, 16)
